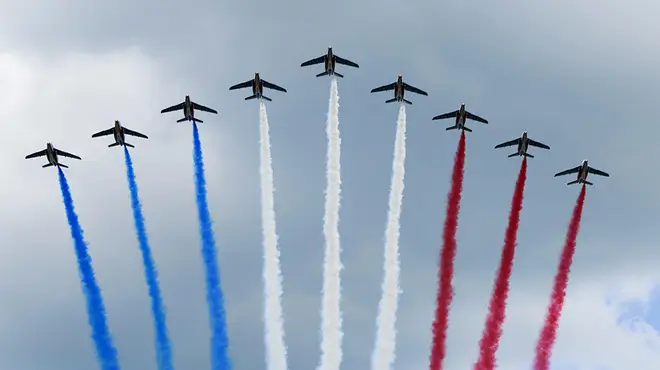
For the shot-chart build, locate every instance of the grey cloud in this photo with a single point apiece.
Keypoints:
(524, 68)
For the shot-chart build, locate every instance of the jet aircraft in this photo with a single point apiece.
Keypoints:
(257, 84)
(461, 115)
(329, 61)
(189, 107)
(523, 143)
(582, 171)
(399, 88)
(51, 154)
(119, 133)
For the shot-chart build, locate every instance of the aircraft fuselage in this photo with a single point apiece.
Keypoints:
(51, 155)
(523, 145)
(257, 86)
(188, 110)
(398, 89)
(330, 62)
(460, 117)
(583, 172)
(119, 133)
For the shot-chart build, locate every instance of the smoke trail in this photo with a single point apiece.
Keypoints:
(105, 349)
(275, 347)
(214, 295)
(384, 351)
(549, 331)
(331, 331)
(446, 273)
(490, 339)
(163, 348)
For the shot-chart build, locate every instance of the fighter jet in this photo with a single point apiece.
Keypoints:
(461, 115)
(51, 154)
(399, 88)
(119, 131)
(523, 143)
(582, 171)
(189, 107)
(330, 61)
(257, 85)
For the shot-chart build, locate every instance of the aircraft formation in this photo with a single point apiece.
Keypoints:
(329, 61)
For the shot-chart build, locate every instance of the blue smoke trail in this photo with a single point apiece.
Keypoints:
(163, 347)
(105, 349)
(214, 295)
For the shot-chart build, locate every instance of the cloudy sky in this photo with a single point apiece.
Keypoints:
(582, 78)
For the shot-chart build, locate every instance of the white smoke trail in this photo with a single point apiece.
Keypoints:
(331, 332)
(274, 339)
(384, 350)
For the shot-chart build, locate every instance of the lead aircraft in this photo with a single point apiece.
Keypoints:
(461, 116)
(523, 143)
(582, 171)
(119, 131)
(189, 107)
(257, 84)
(51, 154)
(399, 88)
(329, 61)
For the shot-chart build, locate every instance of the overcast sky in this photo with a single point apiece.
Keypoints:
(580, 77)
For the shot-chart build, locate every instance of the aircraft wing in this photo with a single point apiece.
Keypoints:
(474, 117)
(537, 144)
(65, 154)
(414, 89)
(40, 153)
(242, 85)
(508, 143)
(568, 172)
(172, 108)
(104, 132)
(273, 86)
(318, 60)
(346, 62)
(384, 87)
(135, 133)
(446, 115)
(598, 172)
(203, 108)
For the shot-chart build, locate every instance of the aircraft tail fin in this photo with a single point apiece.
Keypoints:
(339, 75)
(251, 97)
(528, 155)
(407, 101)
(47, 165)
(451, 128)
(324, 74)
(467, 129)
(266, 98)
(113, 144)
(513, 155)
(129, 145)
(587, 182)
(62, 165)
(182, 119)
(390, 101)
(572, 182)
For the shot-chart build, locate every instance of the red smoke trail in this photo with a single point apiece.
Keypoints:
(549, 332)
(445, 292)
(490, 339)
